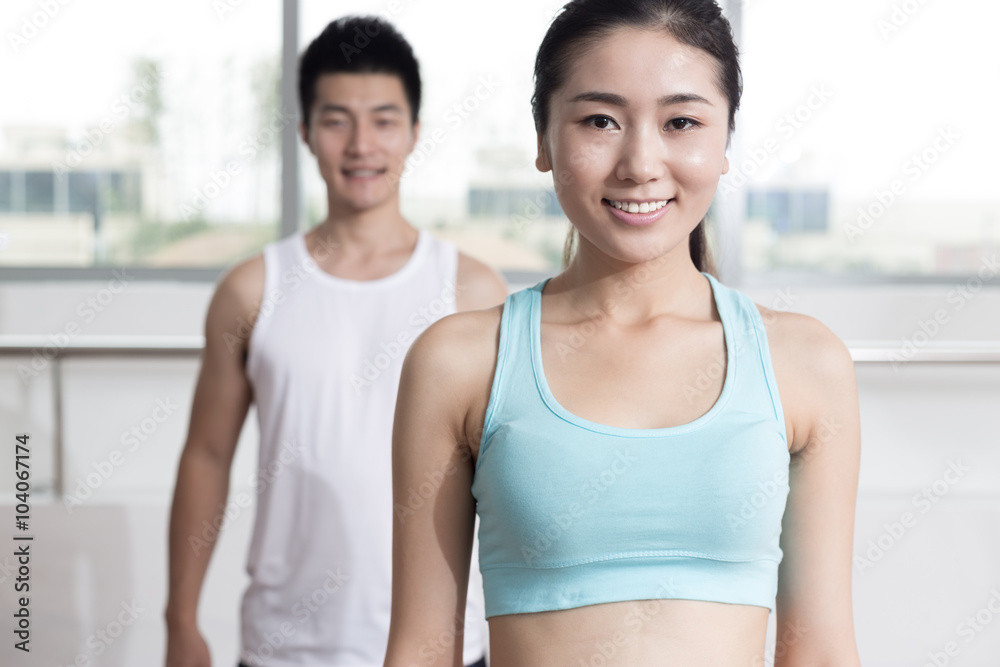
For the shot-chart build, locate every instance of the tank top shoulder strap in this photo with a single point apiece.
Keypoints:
(278, 256)
(757, 389)
(513, 379)
(442, 254)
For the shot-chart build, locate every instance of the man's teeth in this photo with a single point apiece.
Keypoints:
(362, 173)
(644, 207)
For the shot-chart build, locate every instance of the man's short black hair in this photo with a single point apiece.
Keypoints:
(359, 45)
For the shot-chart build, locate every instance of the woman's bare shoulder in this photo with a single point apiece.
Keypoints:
(460, 332)
(455, 358)
(810, 362)
(805, 342)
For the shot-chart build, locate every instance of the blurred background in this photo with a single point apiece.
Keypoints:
(147, 147)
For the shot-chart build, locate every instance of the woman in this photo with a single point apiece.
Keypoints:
(644, 445)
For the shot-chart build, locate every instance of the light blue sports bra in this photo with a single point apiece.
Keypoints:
(575, 513)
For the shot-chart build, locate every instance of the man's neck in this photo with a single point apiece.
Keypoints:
(370, 231)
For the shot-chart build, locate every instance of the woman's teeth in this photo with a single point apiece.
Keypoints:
(644, 207)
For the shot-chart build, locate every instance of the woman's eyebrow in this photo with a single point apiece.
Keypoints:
(606, 98)
(681, 98)
(619, 101)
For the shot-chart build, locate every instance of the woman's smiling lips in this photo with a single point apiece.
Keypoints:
(638, 212)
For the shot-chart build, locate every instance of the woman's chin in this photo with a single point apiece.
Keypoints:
(633, 251)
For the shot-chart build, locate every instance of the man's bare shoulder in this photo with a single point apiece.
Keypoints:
(479, 284)
(244, 281)
(236, 301)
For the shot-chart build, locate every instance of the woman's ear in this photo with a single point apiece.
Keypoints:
(542, 162)
(725, 165)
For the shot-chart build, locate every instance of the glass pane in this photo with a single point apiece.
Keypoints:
(123, 194)
(39, 191)
(471, 178)
(142, 140)
(82, 191)
(869, 136)
(5, 188)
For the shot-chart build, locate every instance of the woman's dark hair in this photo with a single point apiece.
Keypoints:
(581, 23)
(359, 45)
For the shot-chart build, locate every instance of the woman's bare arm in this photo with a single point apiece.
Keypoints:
(814, 609)
(433, 506)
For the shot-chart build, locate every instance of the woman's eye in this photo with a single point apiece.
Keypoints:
(601, 122)
(682, 124)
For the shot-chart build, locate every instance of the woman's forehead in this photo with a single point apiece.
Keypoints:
(648, 63)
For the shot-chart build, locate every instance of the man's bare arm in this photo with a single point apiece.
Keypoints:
(221, 401)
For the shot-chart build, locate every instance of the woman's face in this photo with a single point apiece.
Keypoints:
(639, 121)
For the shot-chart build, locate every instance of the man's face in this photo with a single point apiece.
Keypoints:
(361, 135)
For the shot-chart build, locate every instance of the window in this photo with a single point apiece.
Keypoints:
(505, 203)
(864, 142)
(868, 137)
(141, 137)
(789, 211)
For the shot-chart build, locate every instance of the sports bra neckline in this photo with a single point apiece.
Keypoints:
(535, 317)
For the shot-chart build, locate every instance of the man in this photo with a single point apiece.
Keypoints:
(333, 311)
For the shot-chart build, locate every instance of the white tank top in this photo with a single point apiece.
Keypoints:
(324, 362)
